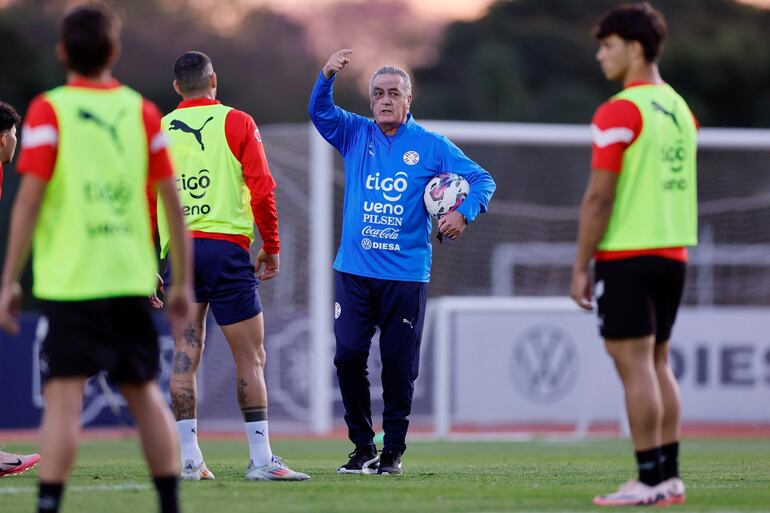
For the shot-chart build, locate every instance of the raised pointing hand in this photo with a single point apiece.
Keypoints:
(337, 62)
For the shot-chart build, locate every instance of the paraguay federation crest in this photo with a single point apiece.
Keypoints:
(411, 158)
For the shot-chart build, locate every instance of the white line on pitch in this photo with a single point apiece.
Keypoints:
(9, 490)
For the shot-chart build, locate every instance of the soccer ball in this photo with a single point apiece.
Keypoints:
(444, 193)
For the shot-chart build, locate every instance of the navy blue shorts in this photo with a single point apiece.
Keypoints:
(225, 279)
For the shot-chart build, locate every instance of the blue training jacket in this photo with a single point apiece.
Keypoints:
(385, 227)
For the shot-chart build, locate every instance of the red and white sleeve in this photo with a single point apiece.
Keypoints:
(246, 144)
(159, 163)
(157, 144)
(39, 140)
(615, 126)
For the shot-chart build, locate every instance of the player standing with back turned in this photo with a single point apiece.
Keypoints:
(638, 215)
(225, 186)
(89, 149)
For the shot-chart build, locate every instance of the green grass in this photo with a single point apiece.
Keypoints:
(721, 475)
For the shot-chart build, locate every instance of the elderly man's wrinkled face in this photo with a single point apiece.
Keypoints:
(389, 101)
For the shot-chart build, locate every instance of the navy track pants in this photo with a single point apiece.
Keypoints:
(398, 309)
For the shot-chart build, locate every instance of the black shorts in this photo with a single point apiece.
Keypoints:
(639, 296)
(85, 337)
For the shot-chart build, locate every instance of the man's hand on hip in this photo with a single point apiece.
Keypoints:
(337, 62)
(272, 264)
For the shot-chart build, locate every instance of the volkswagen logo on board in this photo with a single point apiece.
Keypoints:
(544, 363)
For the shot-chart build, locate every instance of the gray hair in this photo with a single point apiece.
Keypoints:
(192, 71)
(393, 70)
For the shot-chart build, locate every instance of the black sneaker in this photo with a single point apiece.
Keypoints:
(390, 462)
(363, 460)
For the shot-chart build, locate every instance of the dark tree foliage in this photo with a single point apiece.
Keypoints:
(263, 65)
(533, 60)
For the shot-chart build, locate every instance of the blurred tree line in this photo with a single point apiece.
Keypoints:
(263, 68)
(533, 60)
(524, 60)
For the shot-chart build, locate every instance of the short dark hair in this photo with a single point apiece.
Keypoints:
(192, 71)
(635, 22)
(89, 33)
(9, 118)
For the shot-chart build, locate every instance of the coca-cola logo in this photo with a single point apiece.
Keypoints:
(381, 233)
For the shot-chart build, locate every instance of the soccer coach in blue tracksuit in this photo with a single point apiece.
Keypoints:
(383, 263)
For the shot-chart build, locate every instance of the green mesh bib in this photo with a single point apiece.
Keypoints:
(92, 239)
(656, 198)
(209, 178)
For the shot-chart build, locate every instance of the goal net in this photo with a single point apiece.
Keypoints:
(506, 358)
(522, 248)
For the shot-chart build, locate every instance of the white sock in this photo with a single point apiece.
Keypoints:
(259, 443)
(188, 441)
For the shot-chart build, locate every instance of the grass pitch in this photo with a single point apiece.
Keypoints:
(467, 477)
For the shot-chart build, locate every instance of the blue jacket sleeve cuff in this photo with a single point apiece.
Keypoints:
(467, 210)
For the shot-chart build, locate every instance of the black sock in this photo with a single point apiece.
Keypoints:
(670, 460)
(167, 493)
(650, 466)
(49, 497)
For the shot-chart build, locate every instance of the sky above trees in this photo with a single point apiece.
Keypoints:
(444, 9)
(509, 63)
(441, 9)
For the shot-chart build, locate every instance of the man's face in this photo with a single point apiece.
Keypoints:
(389, 102)
(614, 56)
(7, 145)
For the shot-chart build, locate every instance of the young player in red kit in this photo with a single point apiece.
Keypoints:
(9, 123)
(10, 463)
(89, 150)
(638, 215)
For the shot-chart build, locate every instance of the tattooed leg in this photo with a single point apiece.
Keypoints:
(187, 355)
(183, 401)
(246, 343)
